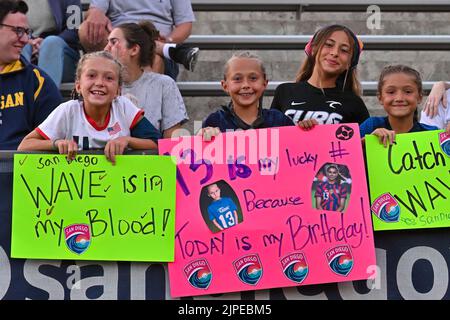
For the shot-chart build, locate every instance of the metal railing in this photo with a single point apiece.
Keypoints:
(282, 42)
(298, 42)
(214, 89)
(320, 5)
(315, 5)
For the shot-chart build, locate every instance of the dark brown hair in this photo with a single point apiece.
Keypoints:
(11, 6)
(144, 35)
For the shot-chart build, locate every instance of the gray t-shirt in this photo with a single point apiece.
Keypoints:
(160, 98)
(165, 14)
(40, 17)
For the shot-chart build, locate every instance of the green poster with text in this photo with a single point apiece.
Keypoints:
(410, 181)
(89, 209)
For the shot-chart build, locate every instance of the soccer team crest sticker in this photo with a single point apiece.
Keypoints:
(340, 260)
(386, 208)
(295, 267)
(198, 274)
(248, 269)
(78, 237)
(444, 142)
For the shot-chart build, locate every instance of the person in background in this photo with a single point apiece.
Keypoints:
(437, 108)
(55, 44)
(157, 94)
(173, 19)
(27, 94)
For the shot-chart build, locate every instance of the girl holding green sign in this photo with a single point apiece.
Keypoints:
(399, 92)
(100, 119)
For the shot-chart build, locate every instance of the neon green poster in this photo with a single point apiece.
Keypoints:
(89, 209)
(410, 181)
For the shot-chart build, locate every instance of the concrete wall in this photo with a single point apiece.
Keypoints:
(283, 64)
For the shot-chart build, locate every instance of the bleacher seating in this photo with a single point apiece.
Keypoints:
(295, 42)
(318, 5)
(313, 5)
(214, 89)
(412, 32)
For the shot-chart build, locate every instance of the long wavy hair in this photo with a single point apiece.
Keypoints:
(348, 79)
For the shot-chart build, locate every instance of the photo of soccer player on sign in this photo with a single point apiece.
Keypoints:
(220, 206)
(331, 188)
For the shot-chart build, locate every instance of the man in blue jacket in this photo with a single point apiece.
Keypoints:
(56, 45)
(27, 94)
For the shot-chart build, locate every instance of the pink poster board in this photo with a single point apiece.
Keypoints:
(262, 188)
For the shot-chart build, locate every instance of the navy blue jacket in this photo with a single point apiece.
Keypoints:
(27, 97)
(59, 11)
(372, 123)
(226, 119)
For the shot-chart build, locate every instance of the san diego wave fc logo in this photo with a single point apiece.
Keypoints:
(249, 269)
(78, 237)
(386, 208)
(198, 274)
(444, 141)
(295, 267)
(340, 260)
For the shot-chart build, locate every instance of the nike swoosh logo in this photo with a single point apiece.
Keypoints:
(297, 103)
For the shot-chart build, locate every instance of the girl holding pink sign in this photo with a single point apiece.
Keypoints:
(244, 81)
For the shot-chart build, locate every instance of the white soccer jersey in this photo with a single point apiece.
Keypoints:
(69, 121)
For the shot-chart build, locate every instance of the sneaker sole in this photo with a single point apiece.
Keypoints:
(193, 57)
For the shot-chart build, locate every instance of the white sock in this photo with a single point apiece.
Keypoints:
(166, 48)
